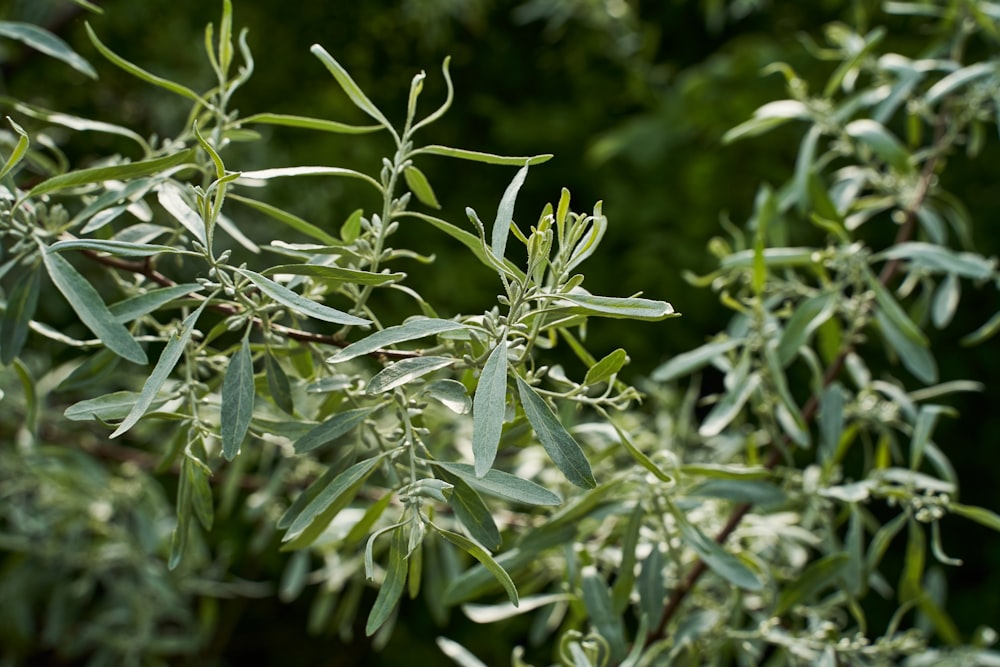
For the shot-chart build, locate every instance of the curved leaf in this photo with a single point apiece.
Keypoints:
(237, 400)
(42, 40)
(299, 303)
(410, 330)
(404, 371)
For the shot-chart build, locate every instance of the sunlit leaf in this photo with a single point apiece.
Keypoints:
(404, 371)
(489, 404)
(392, 585)
(413, 329)
(483, 556)
(299, 303)
(168, 359)
(503, 485)
(564, 451)
(44, 41)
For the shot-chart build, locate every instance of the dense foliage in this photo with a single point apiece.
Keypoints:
(255, 381)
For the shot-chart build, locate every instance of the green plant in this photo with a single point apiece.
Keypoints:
(297, 397)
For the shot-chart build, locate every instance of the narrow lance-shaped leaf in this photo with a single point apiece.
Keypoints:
(237, 400)
(597, 599)
(632, 308)
(168, 359)
(201, 493)
(401, 333)
(914, 356)
(503, 485)
(44, 41)
(299, 303)
(488, 407)
(21, 304)
(118, 172)
(472, 512)
(405, 371)
(726, 409)
(118, 248)
(350, 87)
(277, 384)
(689, 362)
(720, 561)
(392, 586)
(90, 308)
(134, 307)
(335, 495)
(334, 427)
(310, 123)
(505, 214)
(19, 150)
(283, 172)
(483, 556)
(564, 451)
(487, 158)
(470, 241)
(139, 72)
(822, 573)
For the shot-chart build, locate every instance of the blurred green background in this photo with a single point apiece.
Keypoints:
(632, 98)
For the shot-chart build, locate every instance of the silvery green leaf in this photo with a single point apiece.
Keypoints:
(476, 156)
(941, 259)
(689, 362)
(299, 303)
(458, 653)
(632, 308)
(350, 87)
(22, 300)
(404, 371)
(332, 428)
(108, 407)
(915, 357)
(44, 41)
(136, 306)
(90, 308)
(420, 186)
(946, 299)
(720, 561)
(168, 359)
(489, 405)
(503, 485)
(881, 142)
(140, 73)
(723, 412)
(118, 172)
(473, 513)
(768, 117)
(753, 491)
(392, 585)
(820, 574)
(237, 400)
(278, 385)
(564, 451)
(412, 329)
(505, 214)
(19, 149)
(335, 274)
(317, 514)
(608, 624)
(484, 557)
(172, 199)
(808, 316)
(451, 394)
(247, 177)
(309, 123)
(119, 248)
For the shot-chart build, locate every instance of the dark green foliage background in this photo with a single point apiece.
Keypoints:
(633, 111)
